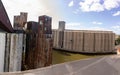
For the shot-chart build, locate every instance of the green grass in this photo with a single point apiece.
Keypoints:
(61, 56)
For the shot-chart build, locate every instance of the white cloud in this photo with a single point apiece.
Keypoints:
(110, 4)
(116, 29)
(71, 4)
(14, 8)
(34, 8)
(80, 26)
(97, 23)
(98, 28)
(91, 5)
(76, 11)
(98, 6)
(73, 25)
(117, 13)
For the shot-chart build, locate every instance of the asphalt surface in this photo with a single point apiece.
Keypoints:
(108, 65)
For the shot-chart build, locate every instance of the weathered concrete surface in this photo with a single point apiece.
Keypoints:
(2, 50)
(85, 41)
(7, 52)
(16, 52)
(109, 65)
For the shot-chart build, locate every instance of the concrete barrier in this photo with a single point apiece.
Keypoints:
(109, 65)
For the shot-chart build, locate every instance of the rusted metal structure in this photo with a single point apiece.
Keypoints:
(39, 43)
(38, 40)
(20, 21)
(5, 24)
(31, 36)
(15, 45)
(44, 42)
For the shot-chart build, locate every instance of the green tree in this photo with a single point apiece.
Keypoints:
(117, 41)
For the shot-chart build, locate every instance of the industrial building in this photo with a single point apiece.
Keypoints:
(32, 47)
(26, 45)
(85, 41)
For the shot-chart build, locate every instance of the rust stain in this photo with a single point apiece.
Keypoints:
(38, 44)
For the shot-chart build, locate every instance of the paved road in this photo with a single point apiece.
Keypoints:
(108, 65)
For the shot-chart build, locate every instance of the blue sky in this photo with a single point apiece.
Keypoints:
(78, 14)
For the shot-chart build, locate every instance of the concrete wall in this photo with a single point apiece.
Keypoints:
(7, 52)
(2, 51)
(85, 41)
(88, 41)
(61, 26)
(98, 42)
(11, 46)
(16, 46)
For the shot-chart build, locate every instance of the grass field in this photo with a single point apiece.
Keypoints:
(61, 56)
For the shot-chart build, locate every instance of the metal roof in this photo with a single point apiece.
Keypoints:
(4, 20)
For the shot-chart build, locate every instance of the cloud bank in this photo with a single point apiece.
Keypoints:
(97, 23)
(98, 5)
